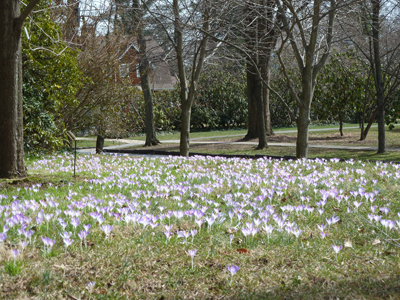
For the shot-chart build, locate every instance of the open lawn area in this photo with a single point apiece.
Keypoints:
(200, 228)
(231, 143)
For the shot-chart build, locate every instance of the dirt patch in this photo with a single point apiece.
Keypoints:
(40, 181)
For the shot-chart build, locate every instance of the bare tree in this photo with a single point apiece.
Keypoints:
(308, 28)
(11, 114)
(380, 24)
(180, 21)
(133, 23)
(261, 37)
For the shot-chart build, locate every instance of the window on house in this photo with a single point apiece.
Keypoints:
(137, 71)
(123, 70)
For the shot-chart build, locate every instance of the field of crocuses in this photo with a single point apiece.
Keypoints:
(200, 228)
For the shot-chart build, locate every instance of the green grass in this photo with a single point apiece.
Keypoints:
(92, 143)
(139, 262)
(329, 137)
(222, 133)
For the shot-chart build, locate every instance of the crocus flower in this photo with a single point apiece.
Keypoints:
(15, 253)
(67, 242)
(23, 244)
(337, 248)
(168, 235)
(193, 232)
(107, 229)
(232, 269)
(90, 286)
(3, 237)
(48, 243)
(231, 238)
(192, 253)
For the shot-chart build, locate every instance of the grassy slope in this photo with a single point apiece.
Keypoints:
(137, 262)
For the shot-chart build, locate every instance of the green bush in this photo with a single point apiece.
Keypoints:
(51, 78)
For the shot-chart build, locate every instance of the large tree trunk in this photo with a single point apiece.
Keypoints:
(252, 103)
(144, 69)
(379, 83)
(303, 120)
(11, 111)
(262, 136)
(185, 129)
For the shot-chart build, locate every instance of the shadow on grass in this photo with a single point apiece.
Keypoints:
(361, 288)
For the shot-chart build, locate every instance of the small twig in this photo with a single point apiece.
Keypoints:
(72, 297)
(389, 240)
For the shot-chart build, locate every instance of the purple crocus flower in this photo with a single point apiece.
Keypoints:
(107, 229)
(337, 248)
(15, 253)
(67, 242)
(48, 242)
(168, 235)
(75, 222)
(232, 269)
(3, 237)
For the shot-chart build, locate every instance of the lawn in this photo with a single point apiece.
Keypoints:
(233, 132)
(202, 228)
(231, 145)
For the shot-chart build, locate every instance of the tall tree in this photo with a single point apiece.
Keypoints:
(311, 48)
(131, 20)
(375, 34)
(144, 69)
(11, 113)
(261, 36)
(188, 33)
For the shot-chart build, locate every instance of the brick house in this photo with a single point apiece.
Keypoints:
(161, 76)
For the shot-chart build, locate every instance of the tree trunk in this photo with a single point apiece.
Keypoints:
(99, 144)
(371, 120)
(303, 120)
(11, 111)
(252, 103)
(262, 136)
(267, 112)
(185, 130)
(341, 124)
(144, 69)
(379, 82)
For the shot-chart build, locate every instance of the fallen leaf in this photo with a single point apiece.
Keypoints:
(242, 250)
(376, 242)
(348, 244)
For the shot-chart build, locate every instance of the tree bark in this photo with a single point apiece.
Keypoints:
(379, 82)
(187, 92)
(262, 136)
(99, 144)
(144, 69)
(185, 130)
(303, 120)
(252, 103)
(267, 112)
(371, 120)
(11, 111)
